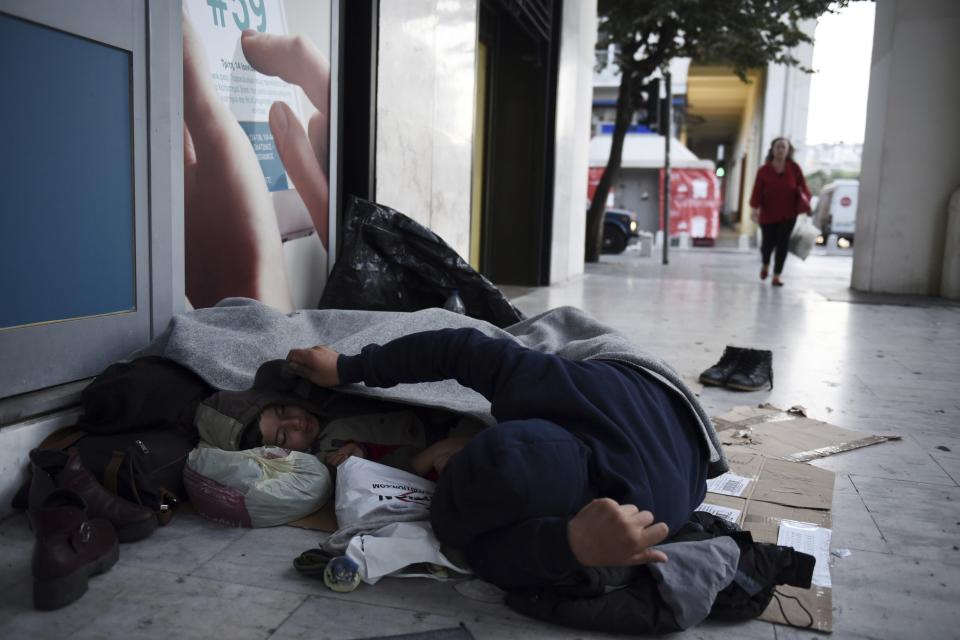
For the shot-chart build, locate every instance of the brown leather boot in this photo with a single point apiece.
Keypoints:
(132, 521)
(69, 548)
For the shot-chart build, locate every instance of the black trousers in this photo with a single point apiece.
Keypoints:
(776, 237)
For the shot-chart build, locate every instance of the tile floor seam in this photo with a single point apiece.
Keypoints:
(134, 565)
(870, 513)
(303, 600)
(866, 386)
(937, 462)
(219, 551)
(900, 556)
(115, 592)
(292, 590)
(334, 599)
(531, 623)
(917, 482)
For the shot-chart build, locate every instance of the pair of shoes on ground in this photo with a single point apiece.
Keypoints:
(339, 573)
(741, 369)
(78, 526)
(764, 272)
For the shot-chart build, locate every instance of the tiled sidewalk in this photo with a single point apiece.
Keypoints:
(874, 368)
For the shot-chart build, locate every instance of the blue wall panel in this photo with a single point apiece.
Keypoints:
(66, 176)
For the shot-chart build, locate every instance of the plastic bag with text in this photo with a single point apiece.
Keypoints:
(400, 541)
(368, 491)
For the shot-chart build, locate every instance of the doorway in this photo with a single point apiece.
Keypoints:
(513, 198)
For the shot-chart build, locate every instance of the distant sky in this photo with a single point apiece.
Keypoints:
(838, 91)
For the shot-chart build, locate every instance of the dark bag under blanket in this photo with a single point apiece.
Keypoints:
(388, 262)
(136, 431)
(144, 467)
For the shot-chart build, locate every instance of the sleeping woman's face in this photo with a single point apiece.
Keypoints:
(289, 427)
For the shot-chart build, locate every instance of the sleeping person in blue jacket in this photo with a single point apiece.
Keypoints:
(591, 463)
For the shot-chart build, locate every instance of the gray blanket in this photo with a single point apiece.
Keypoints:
(226, 344)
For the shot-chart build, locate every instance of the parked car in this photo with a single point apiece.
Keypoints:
(836, 210)
(620, 228)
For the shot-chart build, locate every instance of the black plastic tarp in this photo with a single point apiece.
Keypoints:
(388, 262)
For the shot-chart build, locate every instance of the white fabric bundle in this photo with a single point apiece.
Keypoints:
(261, 487)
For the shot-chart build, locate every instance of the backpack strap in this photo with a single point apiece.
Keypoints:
(62, 439)
(111, 472)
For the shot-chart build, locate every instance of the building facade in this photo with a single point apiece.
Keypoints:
(469, 116)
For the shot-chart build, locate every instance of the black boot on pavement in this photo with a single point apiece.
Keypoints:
(69, 548)
(753, 372)
(718, 374)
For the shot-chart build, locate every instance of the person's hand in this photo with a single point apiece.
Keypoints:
(296, 60)
(232, 241)
(338, 457)
(607, 534)
(436, 456)
(755, 215)
(316, 364)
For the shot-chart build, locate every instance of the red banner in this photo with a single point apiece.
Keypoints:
(694, 203)
(593, 179)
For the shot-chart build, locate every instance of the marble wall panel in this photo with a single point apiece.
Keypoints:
(454, 91)
(425, 120)
(425, 94)
(404, 163)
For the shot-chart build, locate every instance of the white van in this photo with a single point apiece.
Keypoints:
(836, 210)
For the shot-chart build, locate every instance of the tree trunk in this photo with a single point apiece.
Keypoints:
(625, 110)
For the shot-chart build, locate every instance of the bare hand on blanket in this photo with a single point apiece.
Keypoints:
(607, 534)
(338, 457)
(316, 364)
(436, 456)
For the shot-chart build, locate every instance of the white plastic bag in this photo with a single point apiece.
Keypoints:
(261, 487)
(368, 491)
(396, 505)
(401, 550)
(803, 237)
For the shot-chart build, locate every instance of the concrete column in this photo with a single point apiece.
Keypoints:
(572, 147)
(911, 151)
(950, 280)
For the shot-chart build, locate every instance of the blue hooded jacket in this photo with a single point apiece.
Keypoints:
(567, 432)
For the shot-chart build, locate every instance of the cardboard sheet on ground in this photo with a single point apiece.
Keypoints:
(789, 435)
(761, 493)
(323, 519)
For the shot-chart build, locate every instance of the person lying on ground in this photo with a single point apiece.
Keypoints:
(296, 428)
(583, 454)
(280, 409)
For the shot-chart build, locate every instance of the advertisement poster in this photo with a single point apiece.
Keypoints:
(694, 203)
(248, 93)
(256, 150)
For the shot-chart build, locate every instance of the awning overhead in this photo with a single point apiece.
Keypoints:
(645, 151)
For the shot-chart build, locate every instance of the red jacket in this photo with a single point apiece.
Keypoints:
(775, 194)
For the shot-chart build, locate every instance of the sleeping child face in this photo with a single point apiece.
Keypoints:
(289, 427)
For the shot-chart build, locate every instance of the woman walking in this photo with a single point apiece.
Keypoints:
(779, 195)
